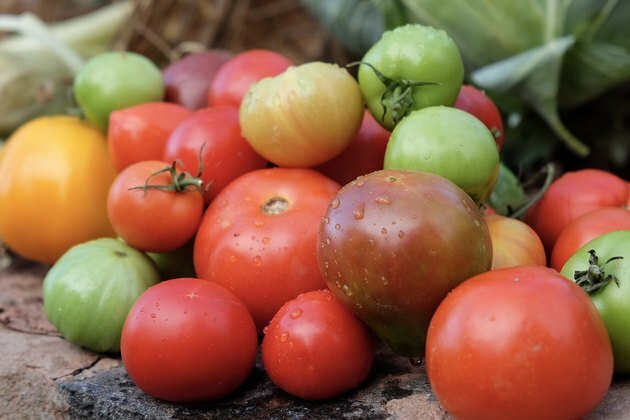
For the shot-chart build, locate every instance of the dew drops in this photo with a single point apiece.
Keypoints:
(327, 241)
(359, 212)
(326, 220)
(266, 330)
(259, 223)
(384, 280)
(232, 258)
(384, 231)
(334, 203)
(153, 315)
(383, 199)
(257, 260)
(401, 234)
(337, 226)
(266, 240)
(360, 183)
(163, 338)
(372, 242)
(346, 290)
(284, 336)
(296, 313)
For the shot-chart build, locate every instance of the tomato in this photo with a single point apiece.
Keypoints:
(364, 154)
(258, 237)
(90, 289)
(394, 72)
(609, 271)
(392, 244)
(587, 227)
(448, 142)
(514, 243)
(226, 154)
(187, 79)
(234, 78)
(188, 340)
(518, 343)
(304, 116)
(154, 210)
(54, 179)
(315, 348)
(476, 102)
(572, 195)
(114, 80)
(140, 132)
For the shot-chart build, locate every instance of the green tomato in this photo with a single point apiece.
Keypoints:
(607, 280)
(448, 142)
(114, 80)
(91, 288)
(409, 68)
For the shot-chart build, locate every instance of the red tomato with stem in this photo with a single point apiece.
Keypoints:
(518, 343)
(314, 348)
(140, 132)
(258, 237)
(152, 209)
(585, 228)
(188, 340)
(514, 242)
(226, 154)
(235, 77)
(572, 195)
(477, 103)
(365, 153)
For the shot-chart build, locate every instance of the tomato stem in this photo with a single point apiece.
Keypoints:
(398, 94)
(594, 278)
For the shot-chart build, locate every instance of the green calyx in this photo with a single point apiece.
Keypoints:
(398, 94)
(595, 277)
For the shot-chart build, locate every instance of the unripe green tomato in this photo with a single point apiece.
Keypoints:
(90, 289)
(114, 80)
(449, 142)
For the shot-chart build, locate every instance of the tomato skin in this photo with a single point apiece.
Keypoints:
(572, 195)
(392, 244)
(140, 132)
(315, 348)
(477, 103)
(514, 243)
(518, 343)
(54, 179)
(363, 155)
(226, 154)
(612, 301)
(585, 228)
(188, 340)
(234, 78)
(304, 116)
(258, 237)
(417, 53)
(153, 220)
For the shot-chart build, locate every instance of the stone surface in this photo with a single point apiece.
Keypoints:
(44, 376)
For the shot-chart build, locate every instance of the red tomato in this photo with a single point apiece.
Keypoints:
(315, 348)
(518, 343)
(514, 243)
(140, 132)
(150, 219)
(226, 154)
(587, 227)
(477, 103)
(365, 153)
(258, 237)
(188, 340)
(234, 78)
(572, 195)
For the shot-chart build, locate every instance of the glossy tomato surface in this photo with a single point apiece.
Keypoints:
(258, 237)
(188, 340)
(392, 244)
(518, 343)
(514, 243)
(314, 348)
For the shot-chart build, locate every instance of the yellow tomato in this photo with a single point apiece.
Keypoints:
(54, 179)
(514, 243)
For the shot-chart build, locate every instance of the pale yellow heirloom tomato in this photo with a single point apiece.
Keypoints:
(55, 174)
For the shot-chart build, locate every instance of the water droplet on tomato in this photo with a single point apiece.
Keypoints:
(326, 220)
(296, 313)
(163, 338)
(284, 336)
(185, 312)
(384, 280)
(337, 226)
(372, 242)
(401, 234)
(259, 223)
(383, 199)
(346, 290)
(257, 260)
(232, 258)
(334, 203)
(266, 329)
(153, 315)
(266, 240)
(384, 231)
(360, 183)
(359, 212)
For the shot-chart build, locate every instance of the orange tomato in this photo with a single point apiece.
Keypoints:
(514, 243)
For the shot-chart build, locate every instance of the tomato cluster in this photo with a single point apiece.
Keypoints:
(245, 203)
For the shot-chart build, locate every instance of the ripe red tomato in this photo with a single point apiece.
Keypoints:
(188, 340)
(365, 153)
(518, 343)
(235, 77)
(514, 243)
(226, 154)
(572, 195)
(140, 132)
(151, 219)
(587, 227)
(258, 237)
(315, 348)
(476, 102)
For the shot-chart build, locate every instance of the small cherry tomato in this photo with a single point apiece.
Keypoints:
(514, 243)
